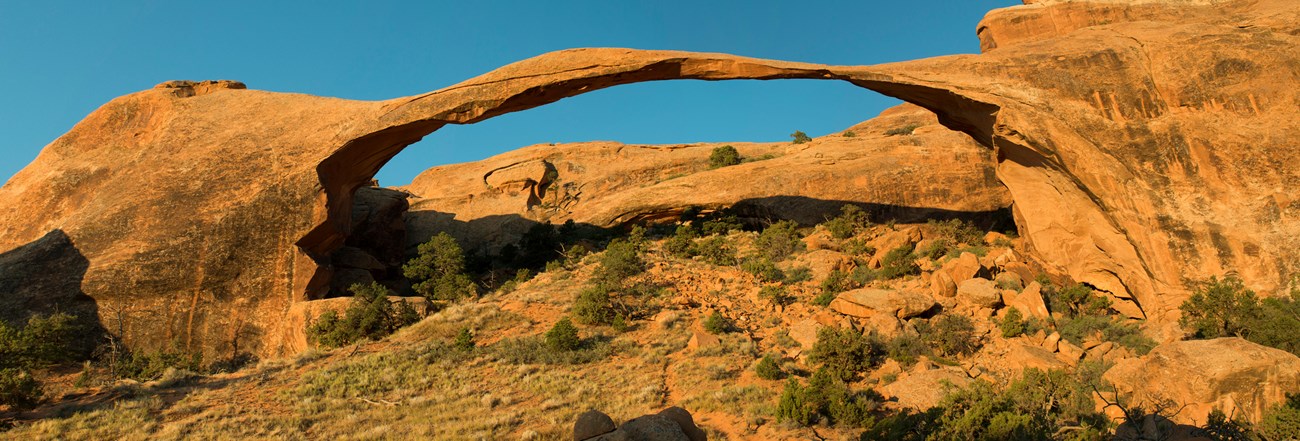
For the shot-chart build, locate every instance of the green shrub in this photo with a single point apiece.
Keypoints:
(1282, 421)
(536, 350)
(1220, 308)
(1013, 324)
(848, 134)
(619, 262)
(1219, 427)
(717, 324)
(720, 224)
(863, 275)
(798, 274)
(145, 366)
(858, 247)
(906, 348)
(898, 262)
(800, 137)
(682, 242)
(464, 340)
(1225, 307)
(1077, 329)
(563, 336)
(764, 269)
(370, 315)
(937, 248)
(957, 231)
(769, 368)
(950, 334)
(593, 306)
(43, 341)
(18, 389)
(850, 221)
(1036, 406)
(724, 156)
(826, 397)
(902, 130)
(438, 272)
(779, 241)
(775, 294)
(1076, 300)
(835, 282)
(846, 352)
(716, 251)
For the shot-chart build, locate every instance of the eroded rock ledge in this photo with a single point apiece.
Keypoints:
(1140, 155)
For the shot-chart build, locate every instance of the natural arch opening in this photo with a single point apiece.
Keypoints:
(353, 166)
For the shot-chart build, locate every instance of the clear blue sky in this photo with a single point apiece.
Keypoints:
(59, 60)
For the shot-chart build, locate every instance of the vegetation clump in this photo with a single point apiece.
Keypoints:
(769, 368)
(779, 240)
(898, 262)
(826, 397)
(724, 156)
(950, 334)
(45, 340)
(370, 316)
(1084, 313)
(1226, 308)
(799, 137)
(846, 352)
(716, 323)
(563, 336)
(850, 222)
(438, 272)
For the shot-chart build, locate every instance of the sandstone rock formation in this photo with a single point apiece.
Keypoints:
(867, 302)
(671, 424)
(1231, 374)
(933, 172)
(1141, 151)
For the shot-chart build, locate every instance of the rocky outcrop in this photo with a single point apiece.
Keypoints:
(671, 424)
(1231, 374)
(930, 172)
(1139, 155)
(868, 302)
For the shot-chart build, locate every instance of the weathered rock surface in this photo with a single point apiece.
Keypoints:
(924, 386)
(671, 424)
(980, 293)
(867, 302)
(494, 201)
(1232, 374)
(1141, 151)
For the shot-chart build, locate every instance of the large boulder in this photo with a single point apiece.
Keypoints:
(1234, 375)
(978, 292)
(867, 302)
(925, 385)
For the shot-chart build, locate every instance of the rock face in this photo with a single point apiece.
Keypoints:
(1232, 374)
(671, 424)
(494, 201)
(867, 302)
(1141, 151)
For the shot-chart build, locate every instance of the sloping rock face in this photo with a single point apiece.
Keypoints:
(1234, 375)
(928, 171)
(1140, 154)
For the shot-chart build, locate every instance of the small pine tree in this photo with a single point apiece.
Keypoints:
(800, 137)
(563, 336)
(439, 270)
